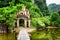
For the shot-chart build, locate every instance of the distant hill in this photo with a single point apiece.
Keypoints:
(42, 6)
(54, 7)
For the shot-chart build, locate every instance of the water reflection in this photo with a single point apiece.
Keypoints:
(9, 36)
(49, 34)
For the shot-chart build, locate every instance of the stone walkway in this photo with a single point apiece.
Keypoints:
(23, 35)
(28, 29)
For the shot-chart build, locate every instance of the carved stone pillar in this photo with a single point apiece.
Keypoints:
(17, 22)
(25, 23)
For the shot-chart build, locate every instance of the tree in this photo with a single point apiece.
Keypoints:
(54, 16)
(42, 6)
(4, 3)
(8, 15)
(55, 19)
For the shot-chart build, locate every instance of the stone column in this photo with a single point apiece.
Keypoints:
(17, 22)
(29, 23)
(25, 23)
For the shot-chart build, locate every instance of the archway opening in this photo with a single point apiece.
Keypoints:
(27, 24)
(21, 22)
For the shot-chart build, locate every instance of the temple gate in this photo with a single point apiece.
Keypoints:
(23, 16)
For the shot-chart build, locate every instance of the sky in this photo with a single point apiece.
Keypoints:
(52, 1)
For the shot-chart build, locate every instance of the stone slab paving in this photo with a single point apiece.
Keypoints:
(23, 35)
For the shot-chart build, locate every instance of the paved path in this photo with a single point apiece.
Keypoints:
(23, 35)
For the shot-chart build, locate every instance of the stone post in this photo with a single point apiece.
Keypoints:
(25, 23)
(17, 22)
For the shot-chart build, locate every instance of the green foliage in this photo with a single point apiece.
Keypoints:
(4, 3)
(55, 19)
(12, 2)
(54, 16)
(8, 14)
(46, 20)
(37, 11)
(42, 6)
(34, 10)
(33, 22)
(42, 21)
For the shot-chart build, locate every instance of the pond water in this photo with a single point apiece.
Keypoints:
(50, 34)
(10, 36)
